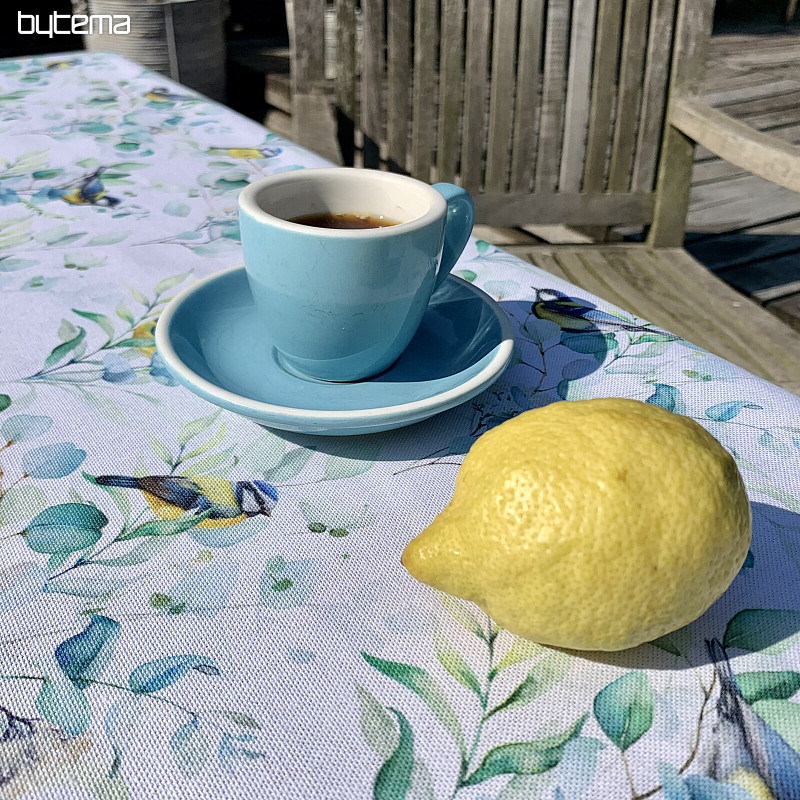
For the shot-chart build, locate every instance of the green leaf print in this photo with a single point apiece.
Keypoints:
(167, 527)
(525, 758)
(5, 402)
(394, 778)
(63, 350)
(461, 613)
(520, 650)
(376, 724)
(624, 709)
(783, 716)
(99, 319)
(455, 663)
(765, 630)
(62, 704)
(425, 687)
(544, 674)
(756, 686)
(196, 426)
(170, 283)
(290, 466)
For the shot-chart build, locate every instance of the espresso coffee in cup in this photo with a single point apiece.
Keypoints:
(344, 220)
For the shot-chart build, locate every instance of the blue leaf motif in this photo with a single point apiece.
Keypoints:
(159, 371)
(83, 656)
(189, 746)
(702, 787)
(776, 445)
(117, 370)
(207, 591)
(62, 704)
(65, 528)
(460, 445)
(722, 412)
(21, 427)
(157, 675)
(667, 397)
(53, 460)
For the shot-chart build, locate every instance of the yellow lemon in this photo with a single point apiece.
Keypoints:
(590, 525)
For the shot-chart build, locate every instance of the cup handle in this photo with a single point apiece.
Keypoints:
(457, 229)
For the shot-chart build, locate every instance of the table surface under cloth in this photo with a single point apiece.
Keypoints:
(295, 657)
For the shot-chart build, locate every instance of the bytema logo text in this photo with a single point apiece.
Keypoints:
(56, 24)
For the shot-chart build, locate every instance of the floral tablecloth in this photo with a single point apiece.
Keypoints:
(146, 655)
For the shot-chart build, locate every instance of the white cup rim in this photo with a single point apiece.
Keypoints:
(248, 202)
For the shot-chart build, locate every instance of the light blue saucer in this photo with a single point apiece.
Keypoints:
(210, 341)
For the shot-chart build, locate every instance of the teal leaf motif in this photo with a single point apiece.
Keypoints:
(196, 427)
(289, 588)
(544, 674)
(376, 724)
(525, 758)
(290, 466)
(667, 397)
(105, 324)
(65, 528)
(460, 612)
(624, 709)
(63, 704)
(768, 685)
(53, 460)
(166, 527)
(766, 630)
(157, 675)
(722, 412)
(63, 350)
(189, 747)
(22, 427)
(84, 656)
(5, 402)
(425, 687)
(455, 663)
(394, 778)
(782, 716)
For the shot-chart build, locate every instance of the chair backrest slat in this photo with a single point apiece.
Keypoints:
(654, 95)
(372, 81)
(526, 100)
(426, 45)
(552, 107)
(629, 94)
(604, 79)
(476, 84)
(346, 76)
(398, 27)
(553, 91)
(579, 91)
(504, 45)
(451, 87)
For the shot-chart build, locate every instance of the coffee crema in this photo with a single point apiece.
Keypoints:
(344, 221)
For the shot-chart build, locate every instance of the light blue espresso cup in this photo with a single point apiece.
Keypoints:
(339, 304)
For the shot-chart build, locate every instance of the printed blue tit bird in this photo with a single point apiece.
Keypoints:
(163, 95)
(170, 496)
(245, 152)
(575, 317)
(57, 65)
(745, 750)
(88, 191)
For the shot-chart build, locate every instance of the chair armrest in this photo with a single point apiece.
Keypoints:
(737, 143)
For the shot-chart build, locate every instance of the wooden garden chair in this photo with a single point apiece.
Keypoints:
(572, 112)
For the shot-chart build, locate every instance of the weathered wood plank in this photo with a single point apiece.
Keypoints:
(562, 208)
(757, 152)
(553, 86)
(451, 86)
(475, 90)
(629, 94)
(345, 80)
(426, 37)
(398, 82)
(606, 49)
(372, 81)
(579, 76)
(504, 45)
(526, 100)
(654, 95)
(692, 30)
(306, 24)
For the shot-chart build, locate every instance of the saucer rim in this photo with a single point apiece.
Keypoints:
(192, 380)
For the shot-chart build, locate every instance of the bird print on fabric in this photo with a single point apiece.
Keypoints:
(746, 752)
(87, 191)
(171, 496)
